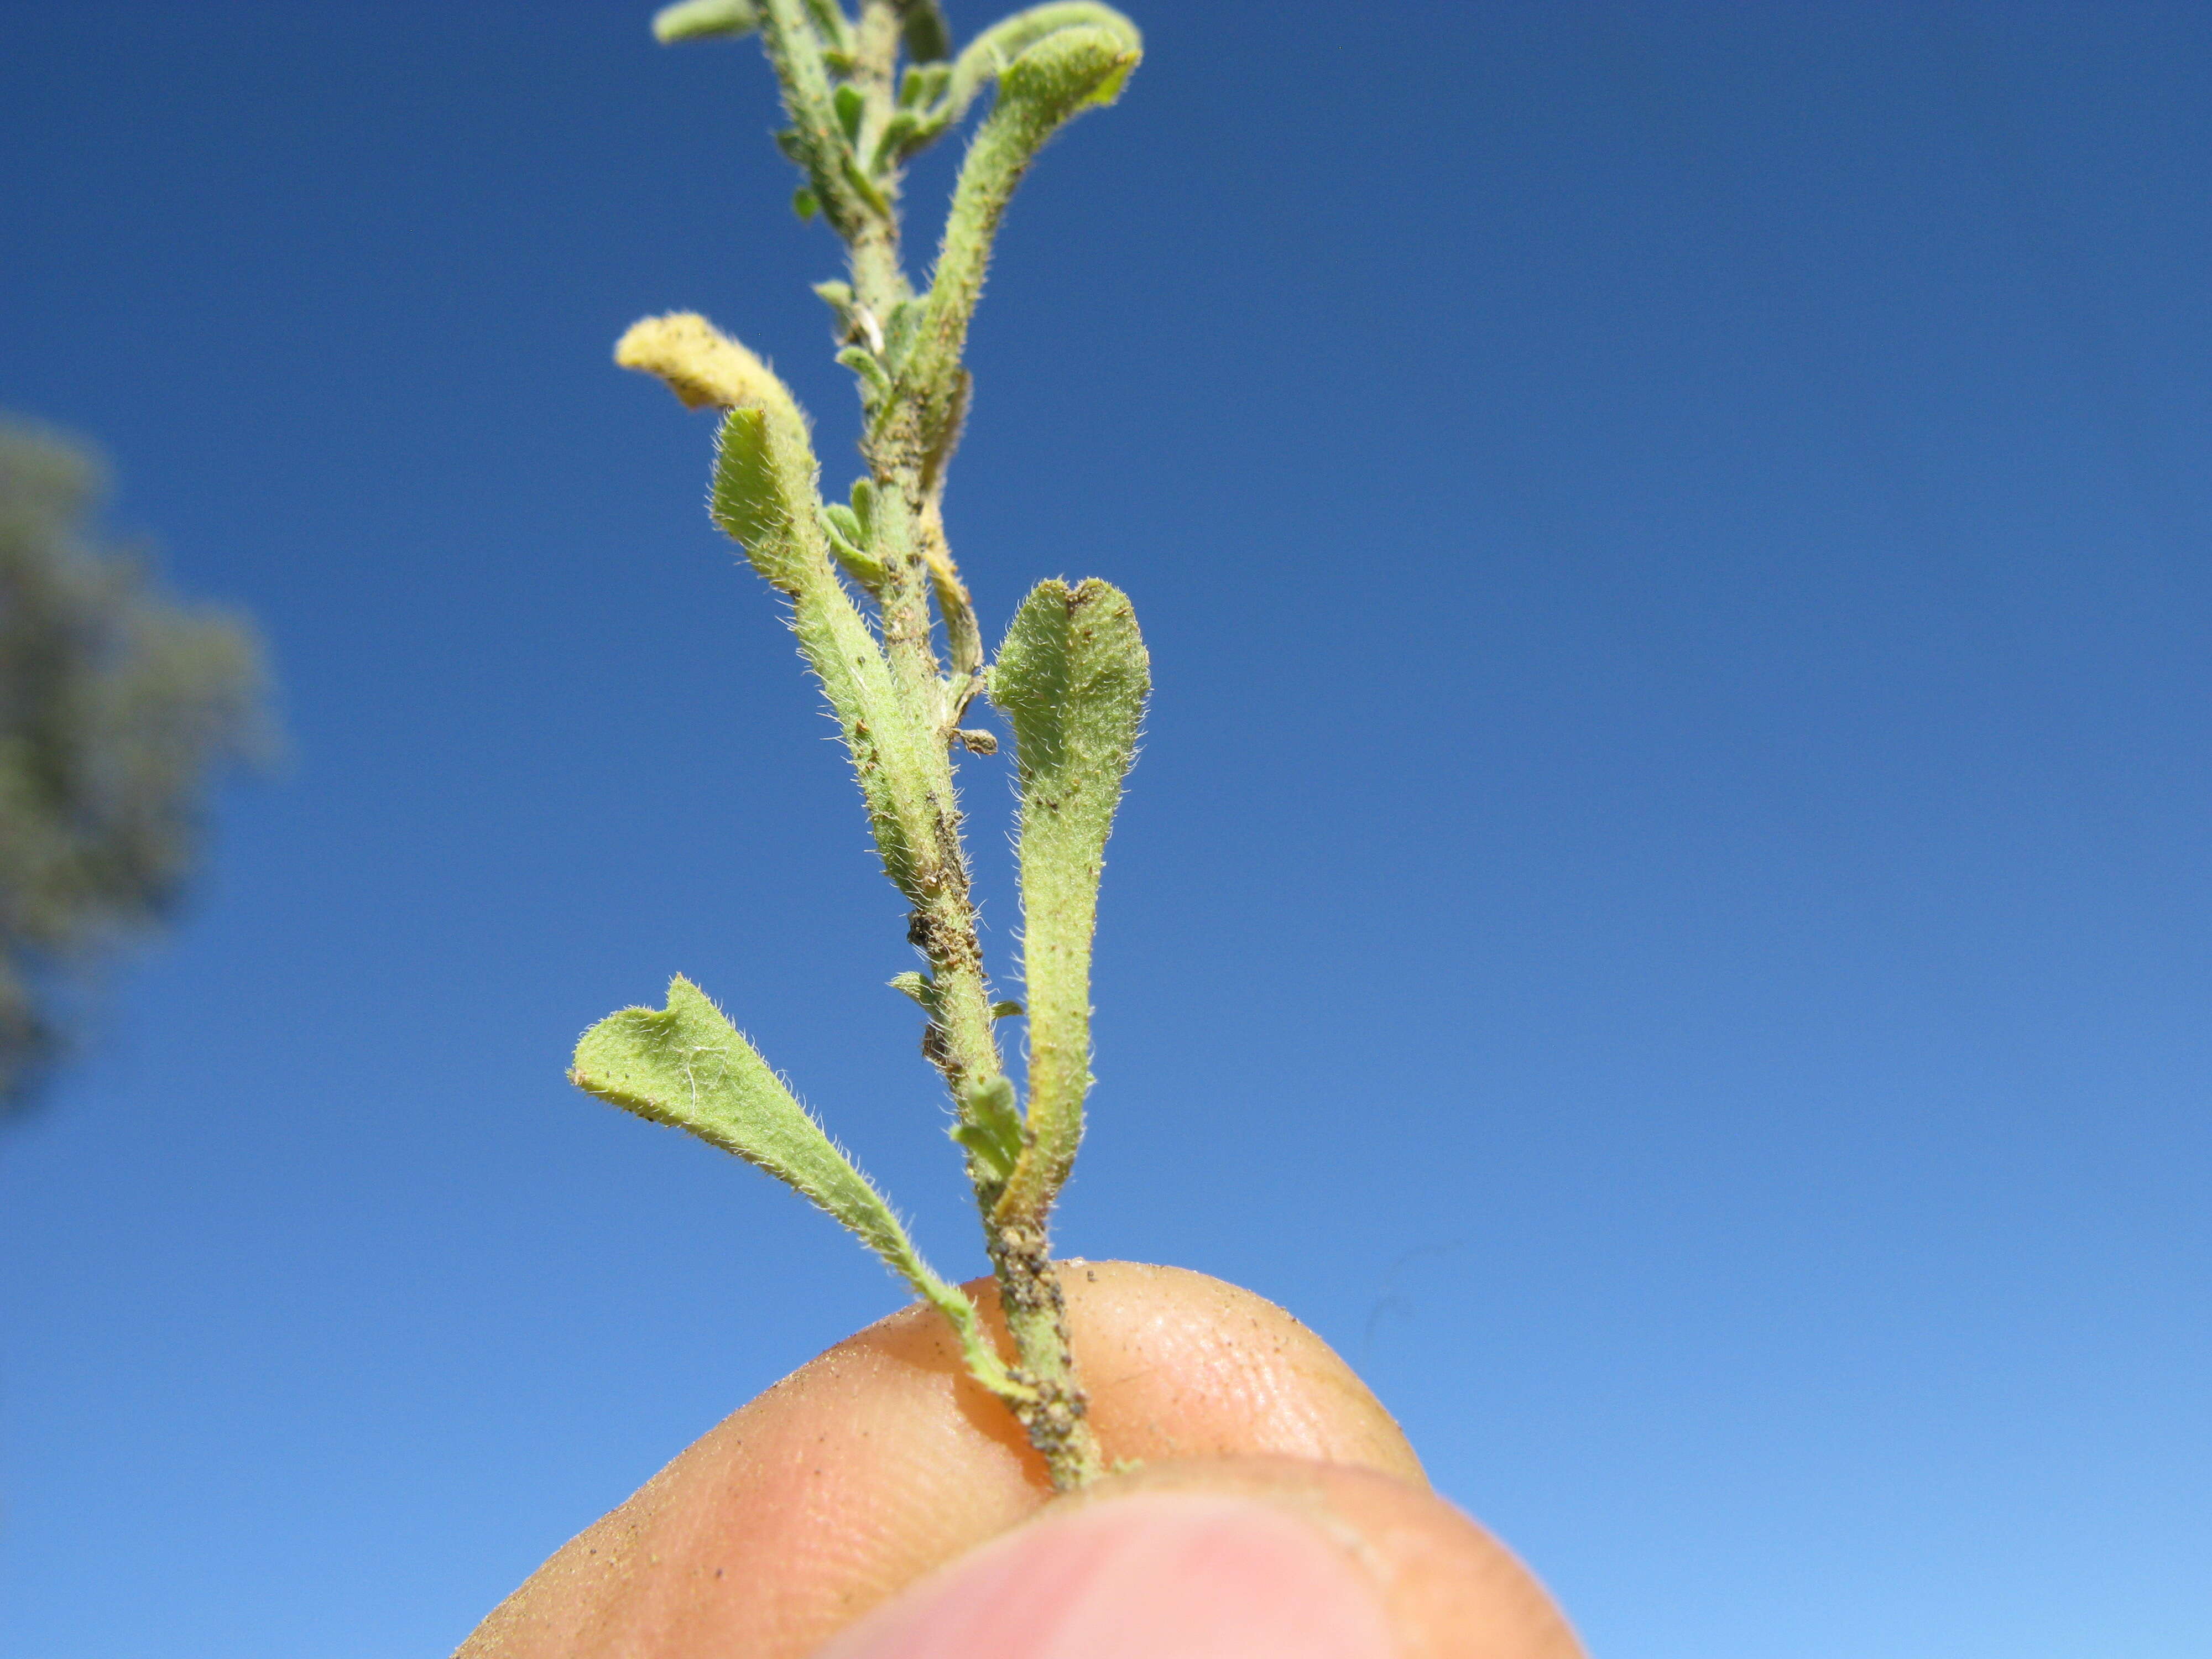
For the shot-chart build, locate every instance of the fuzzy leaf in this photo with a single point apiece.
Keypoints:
(1068, 71)
(687, 1067)
(747, 500)
(1070, 68)
(900, 328)
(703, 366)
(702, 20)
(836, 28)
(808, 43)
(763, 494)
(876, 380)
(895, 144)
(991, 1129)
(1072, 678)
(927, 38)
(866, 189)
(920, 86)
(843, 521)
(849, 548)
(989, 55)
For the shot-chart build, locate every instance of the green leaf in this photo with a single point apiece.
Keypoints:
(687, 1067)
(764, 495)
(850, 108)
(848, 546)
(900, 328)
(747, 501)
(808, 41)
(1072, 679)
(927, 38)
(843, 521)
(921, 85)
(866, 188)
(895, 143)
(919, 987)
(702, 20)
(862, 363)
(804, 204)
(1069, 69)
(989, 54)
(836, 28)
(991, 1130)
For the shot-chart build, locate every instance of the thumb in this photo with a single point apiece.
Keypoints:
(1293, 1559)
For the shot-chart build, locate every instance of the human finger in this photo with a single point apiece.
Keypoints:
(880, 1460)
(1225, 1558)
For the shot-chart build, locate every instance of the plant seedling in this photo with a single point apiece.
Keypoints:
(870, 581)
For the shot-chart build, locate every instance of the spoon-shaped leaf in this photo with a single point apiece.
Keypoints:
(1056, 78)
(687, 1066)
(1072, 678)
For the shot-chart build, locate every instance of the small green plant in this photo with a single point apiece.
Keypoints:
(863, 96)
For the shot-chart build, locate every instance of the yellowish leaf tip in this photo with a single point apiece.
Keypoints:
(703, 366)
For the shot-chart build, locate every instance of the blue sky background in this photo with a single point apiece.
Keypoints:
(1665, 909)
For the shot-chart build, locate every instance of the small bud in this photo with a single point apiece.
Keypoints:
(927, 38)
(850, 108)
(919, 987)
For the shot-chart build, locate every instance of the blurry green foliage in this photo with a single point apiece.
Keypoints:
(118, 709)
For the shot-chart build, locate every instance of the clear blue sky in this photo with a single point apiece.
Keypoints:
(1664, 909)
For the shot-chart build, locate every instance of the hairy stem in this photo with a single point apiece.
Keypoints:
(795, 52)
(899, 708)
(1056, 1420)
(878, 274)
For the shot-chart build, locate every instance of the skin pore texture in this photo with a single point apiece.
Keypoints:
(879, 1502)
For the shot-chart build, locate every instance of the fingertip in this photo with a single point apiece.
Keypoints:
(1182, 1366)
(1206, 1561)
(882, 1459)
(1168, 1574)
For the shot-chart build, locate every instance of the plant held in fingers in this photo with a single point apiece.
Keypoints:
(869, 581)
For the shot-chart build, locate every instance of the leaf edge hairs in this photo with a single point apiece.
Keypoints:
(1072, 677)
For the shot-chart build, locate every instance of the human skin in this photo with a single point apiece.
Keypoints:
(879, 1502)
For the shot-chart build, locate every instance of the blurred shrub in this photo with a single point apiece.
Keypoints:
(119, 709)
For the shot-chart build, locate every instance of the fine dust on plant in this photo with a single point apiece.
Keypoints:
(869, 581)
